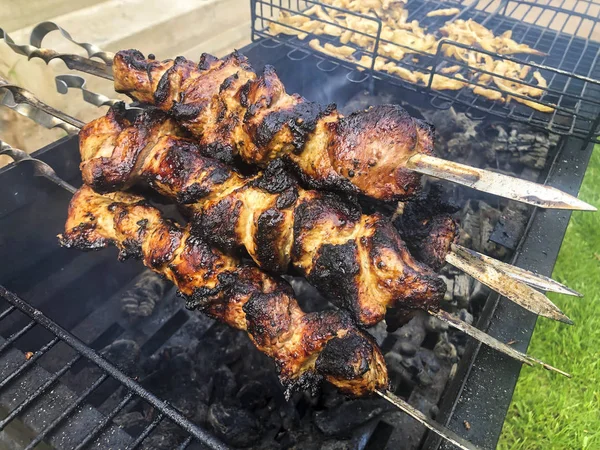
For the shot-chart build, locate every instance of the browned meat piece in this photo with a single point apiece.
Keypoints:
(358, 261)
(232, 111)
(427, 227)
(305, 347)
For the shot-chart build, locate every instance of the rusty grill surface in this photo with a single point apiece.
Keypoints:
(568, 37)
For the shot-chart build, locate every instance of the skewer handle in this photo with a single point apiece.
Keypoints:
(41, 168)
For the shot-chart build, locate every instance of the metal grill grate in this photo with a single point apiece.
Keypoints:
(39, 412)
(567, 37)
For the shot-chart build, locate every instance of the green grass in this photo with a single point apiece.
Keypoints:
(549, 411)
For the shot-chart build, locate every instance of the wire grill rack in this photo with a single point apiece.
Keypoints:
(568, 37)
(29, 390)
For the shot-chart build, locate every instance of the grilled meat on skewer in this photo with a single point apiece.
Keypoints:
(426, 225)
(232, 111)
(305, 347)
(358, 261)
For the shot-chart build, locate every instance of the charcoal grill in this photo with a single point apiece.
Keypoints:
(63, 307)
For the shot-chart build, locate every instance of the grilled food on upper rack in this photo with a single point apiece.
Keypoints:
(358, 261)
(306, 347)
(379, 152)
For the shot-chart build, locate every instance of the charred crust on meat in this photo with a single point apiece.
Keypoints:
(218, 223)
(134, 59)
(428, 289)
(287, 198)
(274, 179)
(185, 111)
(226, 84)
(301, 119)
(130, 248)
(268, 250)
(222, 151)
(268, 317)
(82, 237)
(332, 182)
(168, 239)
(335, 273)
(243, 94)
(207, 61)
(345, 357)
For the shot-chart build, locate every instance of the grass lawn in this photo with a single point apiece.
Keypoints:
(549, 411)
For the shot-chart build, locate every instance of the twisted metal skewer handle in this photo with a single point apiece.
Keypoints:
(74, 62)
(43, 29)
(66, 82)
(41, 169)
(26, 104)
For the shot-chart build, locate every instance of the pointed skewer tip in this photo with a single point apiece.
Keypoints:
(431, 424)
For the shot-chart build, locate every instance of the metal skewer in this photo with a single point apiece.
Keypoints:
(514, 290)
(41, 169)
(432, 425)
(74, 62)
(496, 183)
(479, 179)
(532, 279)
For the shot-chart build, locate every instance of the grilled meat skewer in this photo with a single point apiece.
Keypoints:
(358, 261)
(305, 347)
(379, 152)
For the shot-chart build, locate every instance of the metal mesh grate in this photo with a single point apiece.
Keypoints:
(43, 410)
(568, 37)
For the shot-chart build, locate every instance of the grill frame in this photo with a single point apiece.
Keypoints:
(573, 94)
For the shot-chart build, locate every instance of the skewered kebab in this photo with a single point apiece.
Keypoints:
(378, 152)
(323, 236)
(305, 347)
(442, 315)
(68, 81)
(476, 262)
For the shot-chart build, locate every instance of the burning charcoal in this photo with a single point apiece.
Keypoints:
(435, 325)
(253, 395)
(225, 385)
(235, 426)
(123, 353)
(462, 289)
(480, 292)
(335, 444)
(201, 415)
(449, 288)
(341, 421)
(511, 225)
(308, 296)
(444, 349)
(139, 301)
